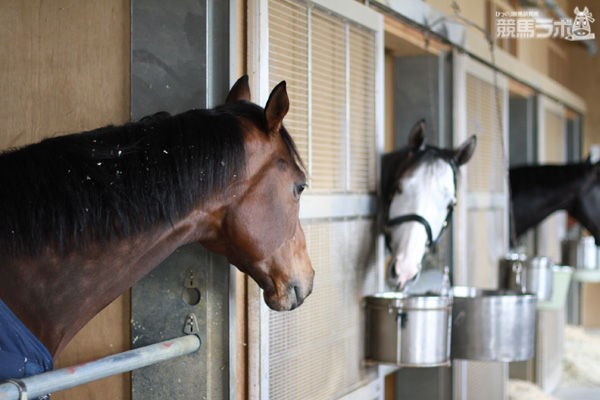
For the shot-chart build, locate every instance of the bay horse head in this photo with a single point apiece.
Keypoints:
(260, 231)
(419, 194)
(126, 197)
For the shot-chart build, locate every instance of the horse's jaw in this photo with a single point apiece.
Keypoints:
(286, 276)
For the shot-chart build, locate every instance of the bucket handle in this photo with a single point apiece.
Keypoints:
(517, 268)
(401, 318)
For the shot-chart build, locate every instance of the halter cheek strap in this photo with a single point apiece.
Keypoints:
(413, 218)
(417, 218)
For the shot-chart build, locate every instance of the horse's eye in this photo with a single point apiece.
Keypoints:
(299, 188)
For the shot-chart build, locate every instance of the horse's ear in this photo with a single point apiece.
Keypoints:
(239, 91)
(416, 137)
(464, 152)
(277, 107)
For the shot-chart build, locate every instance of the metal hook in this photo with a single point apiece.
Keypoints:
(21, 387)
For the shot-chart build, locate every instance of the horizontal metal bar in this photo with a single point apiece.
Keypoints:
(65, 378)
(314, 206)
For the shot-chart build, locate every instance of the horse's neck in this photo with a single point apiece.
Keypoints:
(534, 196)
(68, 291)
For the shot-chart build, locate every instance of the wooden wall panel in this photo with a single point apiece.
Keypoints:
(65, 68)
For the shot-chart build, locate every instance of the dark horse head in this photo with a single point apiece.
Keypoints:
(418, 188)
(539, 190)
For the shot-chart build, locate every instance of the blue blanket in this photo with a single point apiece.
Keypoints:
(21, 353)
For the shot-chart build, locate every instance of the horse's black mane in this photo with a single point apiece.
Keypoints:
(525, 177)
(70, 191)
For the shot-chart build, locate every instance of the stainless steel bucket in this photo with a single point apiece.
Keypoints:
(533, 275)
(580, 253)
(408, 330)
(539, 277)
(492, 325)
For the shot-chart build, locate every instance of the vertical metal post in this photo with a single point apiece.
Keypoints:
(181, 59)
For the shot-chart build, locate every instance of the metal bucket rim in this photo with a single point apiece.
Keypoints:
(403, 301)
(562, 268)
(539, 262)
(515, 256)
(470, 292)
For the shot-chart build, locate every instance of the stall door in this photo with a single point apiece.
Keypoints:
(330, 54)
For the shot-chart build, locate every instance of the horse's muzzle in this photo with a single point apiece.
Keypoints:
(291, 297)
(399, 283)
(289, 274)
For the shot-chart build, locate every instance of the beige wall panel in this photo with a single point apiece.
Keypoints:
(534, 53)
(65, 68)
(107, 333)
(585, 81)
(475, 11)
(590, 299)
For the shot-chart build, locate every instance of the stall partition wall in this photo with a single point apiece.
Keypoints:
(481, 109)
(65, 68)
(481, 228)
(182, 58)
(552, 150)
(331, 56)
(423, 89)
(523, 142)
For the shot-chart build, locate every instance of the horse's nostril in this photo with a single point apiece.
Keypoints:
(297, 291)
(392, 269)
(299, 298)
(414, 278)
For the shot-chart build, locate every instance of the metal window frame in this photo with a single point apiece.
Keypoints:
(208, 73)
(463, 371)
(463, 66)
(313, 206)
(544, 231)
